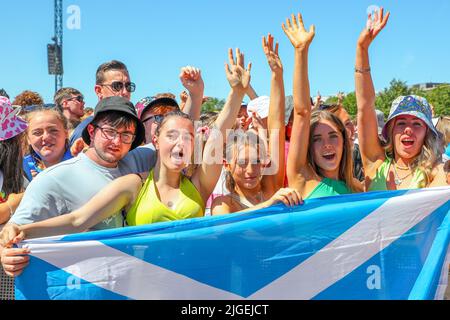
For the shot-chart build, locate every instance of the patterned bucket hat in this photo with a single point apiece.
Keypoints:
(10, 124)
(411, 105)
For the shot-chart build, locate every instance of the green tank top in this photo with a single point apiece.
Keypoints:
(379, 181)
(149, 209)
(329, 187)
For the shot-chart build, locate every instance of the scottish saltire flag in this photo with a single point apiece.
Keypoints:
(379, 245)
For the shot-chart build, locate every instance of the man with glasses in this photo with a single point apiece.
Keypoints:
(63, 188)
(70, 102)
(112, 79)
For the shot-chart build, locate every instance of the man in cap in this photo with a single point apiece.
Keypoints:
(113, 132)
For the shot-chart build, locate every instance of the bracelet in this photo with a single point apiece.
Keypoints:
(357, 70)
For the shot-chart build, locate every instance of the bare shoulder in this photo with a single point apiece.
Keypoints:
(438, 177)
(222, 205)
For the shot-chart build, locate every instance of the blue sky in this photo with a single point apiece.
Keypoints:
(156, 38)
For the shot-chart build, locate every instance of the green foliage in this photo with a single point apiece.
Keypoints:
(213, 104)
(349, 103)
(331, 100)
(385, 98)
(438, 97)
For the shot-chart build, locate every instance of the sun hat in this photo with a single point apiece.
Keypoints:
(410, 105)
(10, 124)
(259, 105)
(117, 103)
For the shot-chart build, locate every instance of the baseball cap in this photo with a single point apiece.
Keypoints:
(146, 103)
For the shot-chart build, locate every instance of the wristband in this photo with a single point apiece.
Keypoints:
(357, 70)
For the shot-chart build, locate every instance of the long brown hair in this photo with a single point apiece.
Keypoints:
(346, 163)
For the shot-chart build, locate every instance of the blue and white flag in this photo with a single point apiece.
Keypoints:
(378, 245)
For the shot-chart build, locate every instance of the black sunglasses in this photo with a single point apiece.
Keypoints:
(118, 86)
(158, 118)
(78, 98)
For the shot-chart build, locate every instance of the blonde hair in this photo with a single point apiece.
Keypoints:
(346, 163)
(443, 126)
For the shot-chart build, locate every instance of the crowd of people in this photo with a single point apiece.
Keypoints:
(66, 169)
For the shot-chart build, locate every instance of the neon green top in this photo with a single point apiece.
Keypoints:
(329, 187)
(379, 181)
(149, 209)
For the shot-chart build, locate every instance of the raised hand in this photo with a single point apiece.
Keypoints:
(191, 78)
(272, 54)
(237, 76)
(373, 27)
(295, 31)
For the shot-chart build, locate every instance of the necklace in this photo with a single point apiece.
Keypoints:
(243, 200)
(401, 168)
(397, 179)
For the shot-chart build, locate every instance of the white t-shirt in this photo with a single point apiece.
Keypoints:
(68, 185)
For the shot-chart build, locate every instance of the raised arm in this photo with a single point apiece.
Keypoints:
(111, 199)
(371, 149)
(191, 78)
(251, 93)
(297, 167)
(207, 174)
(276, 116)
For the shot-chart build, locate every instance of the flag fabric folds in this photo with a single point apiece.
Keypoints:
(376, 245)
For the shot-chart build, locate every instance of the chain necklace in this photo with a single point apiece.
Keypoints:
(397, 179)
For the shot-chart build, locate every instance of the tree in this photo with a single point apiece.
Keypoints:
(349, 104)
(440, 99)
(213, 104)
(385, 98)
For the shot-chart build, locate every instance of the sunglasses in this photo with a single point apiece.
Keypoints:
(117, 86)
(78, 98)
(158, 118)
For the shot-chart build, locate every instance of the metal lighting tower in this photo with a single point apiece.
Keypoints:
(54, 50)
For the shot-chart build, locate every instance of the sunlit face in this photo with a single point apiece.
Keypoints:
(242, 118)
(73, 109)
(110, 151)
(175, 143)
(47, 136)
(328, 147)
(343, 115)
(246, 167)
(408, 135)
(105, 90)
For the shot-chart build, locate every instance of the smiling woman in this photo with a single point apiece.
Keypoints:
(323, 166)
(47, 136)
(412, 154)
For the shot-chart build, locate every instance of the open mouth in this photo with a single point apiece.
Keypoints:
(329, 156)
(178, 156)
(407, 142)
